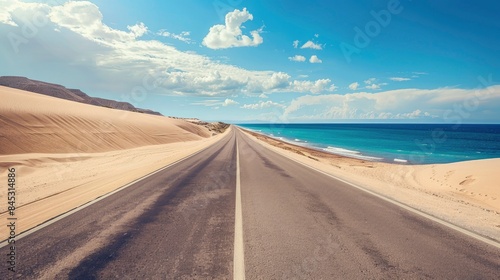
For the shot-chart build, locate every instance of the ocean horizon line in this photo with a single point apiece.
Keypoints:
(326, 122)
(395, 143)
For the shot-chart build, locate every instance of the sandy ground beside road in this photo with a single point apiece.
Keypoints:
(466, 194)
(67, 153)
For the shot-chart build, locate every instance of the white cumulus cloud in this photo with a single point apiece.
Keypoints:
(278, 80)
(370, 81)
(311, 45)
(80, 44)
(450, 105)
(138, 30)
(183, 36)
(296, 44)
(7, 9)
(229, 102)
(315, 59)
(373, 86)
(313, 87)
(298, 58)
(262, 105)
(230, 35)
(216, 103)
(354, 86)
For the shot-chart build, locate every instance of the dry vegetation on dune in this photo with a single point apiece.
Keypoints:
(214, 127)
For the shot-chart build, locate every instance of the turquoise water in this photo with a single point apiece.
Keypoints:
(402, 143)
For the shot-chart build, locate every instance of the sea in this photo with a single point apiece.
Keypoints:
(396, 143)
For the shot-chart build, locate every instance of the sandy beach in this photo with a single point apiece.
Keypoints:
(67, 154)
(466, 194)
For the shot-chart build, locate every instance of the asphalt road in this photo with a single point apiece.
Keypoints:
(297, 223)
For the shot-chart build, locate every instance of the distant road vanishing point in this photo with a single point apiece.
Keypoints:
(238, 210)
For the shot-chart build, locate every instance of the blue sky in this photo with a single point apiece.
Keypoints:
(270, 61)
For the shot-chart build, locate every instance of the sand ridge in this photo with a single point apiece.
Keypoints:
(35, 123)
(67, 153)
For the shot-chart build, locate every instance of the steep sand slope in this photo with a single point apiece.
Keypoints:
(34, 123)
(67, 154)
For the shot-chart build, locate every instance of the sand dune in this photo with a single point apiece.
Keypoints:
(477, 180)
(34, 123)
(67, 153)
(464, 193)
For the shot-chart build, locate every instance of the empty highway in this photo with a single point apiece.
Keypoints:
(239, 210)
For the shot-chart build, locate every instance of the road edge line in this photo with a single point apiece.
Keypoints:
(239, 256)
(89, 203)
